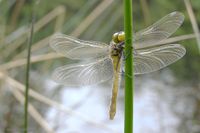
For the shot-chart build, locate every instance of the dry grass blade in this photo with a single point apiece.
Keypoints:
(16, 13)
(177, 38)
(146, 12)
(21, 62)
(59, 11)
(40, 44)
(52, 103)
(91, 17)
(56, 13)
(193, 21)
(33, 112)
(76, 32)
(2, 34)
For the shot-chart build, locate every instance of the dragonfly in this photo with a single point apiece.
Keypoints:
(103, 62)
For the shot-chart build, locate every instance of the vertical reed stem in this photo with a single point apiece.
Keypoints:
(27, 75)
(129, 70)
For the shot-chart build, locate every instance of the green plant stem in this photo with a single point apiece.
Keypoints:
(129, 70)
(27, 76)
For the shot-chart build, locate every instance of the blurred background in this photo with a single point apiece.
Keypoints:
(166, 101)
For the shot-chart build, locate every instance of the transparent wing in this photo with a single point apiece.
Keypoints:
(84, 75)
(153, 59)
(74, 48)
(159, 31)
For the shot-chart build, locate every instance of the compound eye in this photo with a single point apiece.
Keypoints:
(121, 36)
(115, 38)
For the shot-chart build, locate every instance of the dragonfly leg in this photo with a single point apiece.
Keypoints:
(121, 44)
(123, 74)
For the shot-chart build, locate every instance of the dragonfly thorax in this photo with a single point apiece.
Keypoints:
(116, 48)
(117, 43)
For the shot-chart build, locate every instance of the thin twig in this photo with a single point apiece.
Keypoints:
(193, 21)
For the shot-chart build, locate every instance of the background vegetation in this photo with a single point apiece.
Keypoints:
(85, 19)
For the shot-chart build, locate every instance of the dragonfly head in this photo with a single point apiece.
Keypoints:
(118, 37)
